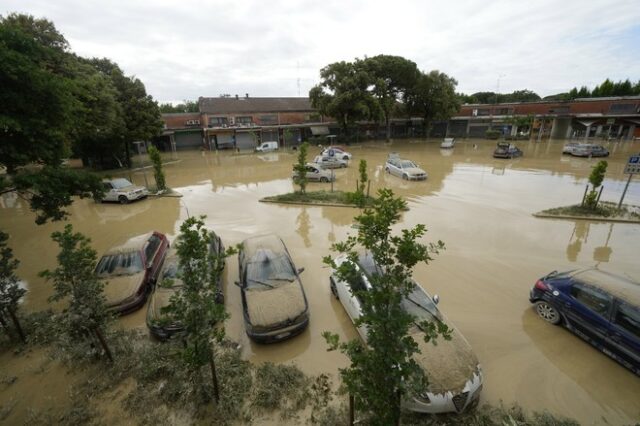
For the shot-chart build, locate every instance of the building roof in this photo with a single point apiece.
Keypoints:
(253, 105)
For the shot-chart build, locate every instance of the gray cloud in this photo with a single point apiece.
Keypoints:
(182, 50)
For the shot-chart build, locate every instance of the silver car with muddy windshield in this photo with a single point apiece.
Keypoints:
(452, 368)
(274, 303)
(405, 169)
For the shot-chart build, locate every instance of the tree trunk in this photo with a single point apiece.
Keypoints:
(214, 376)
(352, 416)
(5, 325)
(103, 342)
(16, 323)
(388, 126)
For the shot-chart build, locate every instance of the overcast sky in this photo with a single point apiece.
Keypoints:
(186, 49)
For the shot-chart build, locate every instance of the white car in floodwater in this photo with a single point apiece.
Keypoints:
(452, 368)
(405, 169)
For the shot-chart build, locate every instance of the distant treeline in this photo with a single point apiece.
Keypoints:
(185, 106)
(607, 88)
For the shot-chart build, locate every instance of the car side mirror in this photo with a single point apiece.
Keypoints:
(300, 270)
(436, 299)
(237, 283)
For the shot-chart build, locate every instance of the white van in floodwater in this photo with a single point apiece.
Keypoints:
(267, 146)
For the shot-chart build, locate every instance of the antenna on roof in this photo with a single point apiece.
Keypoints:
(298, 74)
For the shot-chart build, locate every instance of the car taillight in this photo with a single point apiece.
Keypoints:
(540, 285)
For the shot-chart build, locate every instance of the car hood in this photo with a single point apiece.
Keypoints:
(160, 299)
(269, 307)
(449, 365)
(119, 288)
(414, 171)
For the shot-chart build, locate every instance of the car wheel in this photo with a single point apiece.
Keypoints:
(345, 158)
(123, 199)
(548, 312)
(324, 179)
(342, 166)
(405, 176)
(334, 290)
(387, 170)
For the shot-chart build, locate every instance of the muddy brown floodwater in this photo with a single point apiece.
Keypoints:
(479, 206)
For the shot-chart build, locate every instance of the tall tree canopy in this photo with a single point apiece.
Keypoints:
(433, 97)
(53, 103)
(390, 77)
(343, 94)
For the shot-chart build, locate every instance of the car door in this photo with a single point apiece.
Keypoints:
(588, 310)
(154, 251)
(313, 173)
(110, 193)
(625, 334)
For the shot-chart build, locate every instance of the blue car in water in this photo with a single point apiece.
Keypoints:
(600, 307)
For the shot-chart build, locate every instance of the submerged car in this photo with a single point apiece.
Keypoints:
(590, 150)
(315, 173)
(330, 162)
(506, 150)
(569, 147)
(131, 270)
(274, 303)
(159, 323)
(122, 191)
(336, 151)
(452, 368)
(448, 143)
(600, 307)
(406, 169)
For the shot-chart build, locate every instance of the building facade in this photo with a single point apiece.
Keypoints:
(245, 122)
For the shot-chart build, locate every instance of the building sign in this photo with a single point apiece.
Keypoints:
(633, 166)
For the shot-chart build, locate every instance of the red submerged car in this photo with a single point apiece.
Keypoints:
(131, 270)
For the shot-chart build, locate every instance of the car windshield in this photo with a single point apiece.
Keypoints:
(120, 264)
(406, 164)
(120, 183)
(267, 270)
(420, 305)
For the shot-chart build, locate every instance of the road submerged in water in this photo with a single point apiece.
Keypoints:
(479, 206)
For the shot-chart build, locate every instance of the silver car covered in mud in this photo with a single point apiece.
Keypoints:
(274, 304)
(452, 368)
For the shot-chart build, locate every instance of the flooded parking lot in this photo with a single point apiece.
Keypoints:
(479, 206)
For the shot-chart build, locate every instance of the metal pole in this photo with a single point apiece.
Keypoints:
(625, 190)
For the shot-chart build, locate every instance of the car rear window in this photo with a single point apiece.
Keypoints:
(120, 264)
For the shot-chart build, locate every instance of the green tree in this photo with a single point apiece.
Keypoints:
(185, 106)
(359, 195)
(343, 94)
(154, 154)
(595, 179)
(433, 98)
(75, 281)
(10, 290)
(194, 306)
(301, 167)
(37, 117)
(140, 112)
(384, 371)
(391, 78)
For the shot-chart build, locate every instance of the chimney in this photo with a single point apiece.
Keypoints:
(236, 96)
(246, 95)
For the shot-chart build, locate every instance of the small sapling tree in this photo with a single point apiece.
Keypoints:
(75, 280)
(10, 291)
(154, 154)
(301, 167)
(383, 371)
(194, 306)
(595, 179)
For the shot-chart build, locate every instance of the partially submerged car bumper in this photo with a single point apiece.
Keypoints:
(278, 334)
(163, 332)
(128, 305)
(448, 402)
